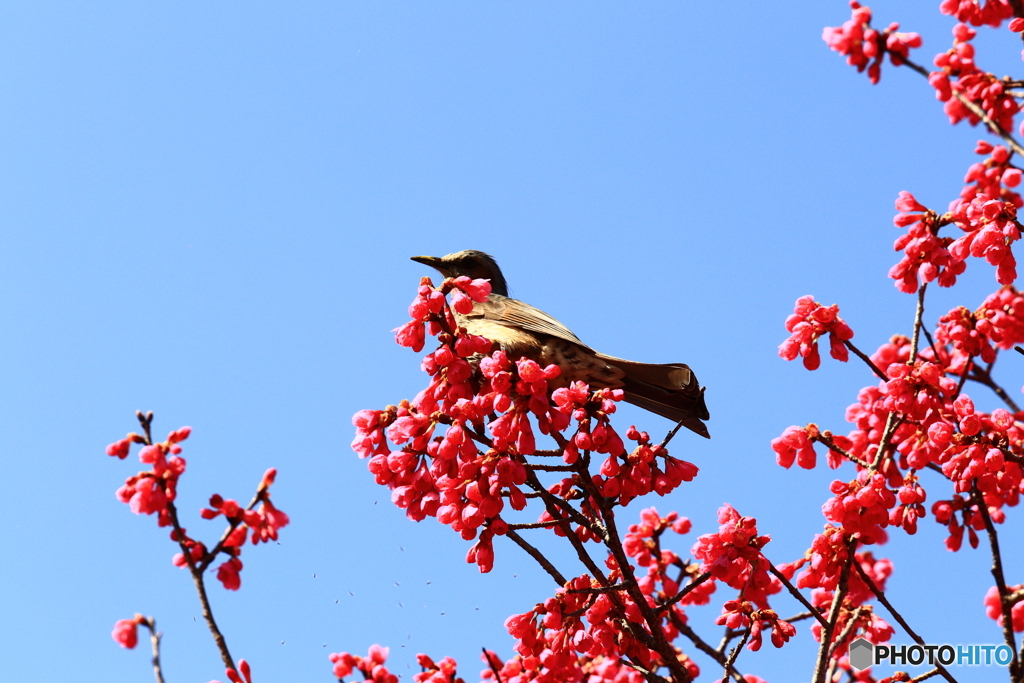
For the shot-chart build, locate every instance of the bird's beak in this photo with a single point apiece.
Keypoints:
(432, 261)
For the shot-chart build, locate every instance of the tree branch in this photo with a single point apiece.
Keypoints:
(997, 574)
(154, 639)
(537, 555)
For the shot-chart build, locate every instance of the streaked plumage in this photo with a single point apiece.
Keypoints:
(669, 390)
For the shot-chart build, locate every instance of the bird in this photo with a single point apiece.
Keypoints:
(523, 331)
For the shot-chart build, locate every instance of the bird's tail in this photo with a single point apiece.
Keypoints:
(670, 390)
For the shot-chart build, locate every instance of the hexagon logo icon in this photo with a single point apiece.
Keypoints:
(862, 654)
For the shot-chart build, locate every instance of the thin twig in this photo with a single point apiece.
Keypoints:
(537, 555)
(896, 615)
(983, 377)
(154, 640)
(490, 663)
(918, 315)
(871, 364)
(820, 666)
(845, 633)
(799, 617)
(735, 653)
(204, 600)
(685, 591)
(931, 343)
(797, 594)
(963, 377)
(704, 647)
(997, 574)
(672, 432)
(891, 423)
(659, 641)
(976, 110)
(826, 440)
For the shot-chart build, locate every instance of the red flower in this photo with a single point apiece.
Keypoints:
(228, 574)
(126, 632)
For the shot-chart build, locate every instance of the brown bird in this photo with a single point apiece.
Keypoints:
(521, 330)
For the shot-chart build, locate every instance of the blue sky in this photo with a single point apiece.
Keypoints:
(208, 213)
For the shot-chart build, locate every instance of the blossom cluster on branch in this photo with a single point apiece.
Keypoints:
(154, 491)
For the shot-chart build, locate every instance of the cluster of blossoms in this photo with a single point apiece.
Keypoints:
(958, 79)
(936, 426)
(991, 226)
(458, 451)
(809, 321)
(821, 570)
(978, 12)
(584, 618)
(994, 178)
(994, 611)
(599, 669)
(925, 255)
(643, 544)
(371, 667)
(154, 491)
(733, 556)
(865, 47)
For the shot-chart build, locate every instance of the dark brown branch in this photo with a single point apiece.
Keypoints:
(845, 633)
(820, 666)
(918, 316)
(604, 589)
(871, 364)
(735, 653)
(825, 439)
(232, 525)
(553, 504)
(537, 555)
(204, 601)
(997, 574)
(685, 591)
(796, 594)
(551, 468)
(704, 647)
(556, 505)
(976, 110)
(983, 377)
(494, 667)
(659, 642)
(540, 525)
(880, 596)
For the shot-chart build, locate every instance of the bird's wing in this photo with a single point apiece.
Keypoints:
(516, 314)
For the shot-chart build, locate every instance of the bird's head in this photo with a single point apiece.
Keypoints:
(471, 263)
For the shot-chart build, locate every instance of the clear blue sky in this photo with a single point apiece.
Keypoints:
(208, 211)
